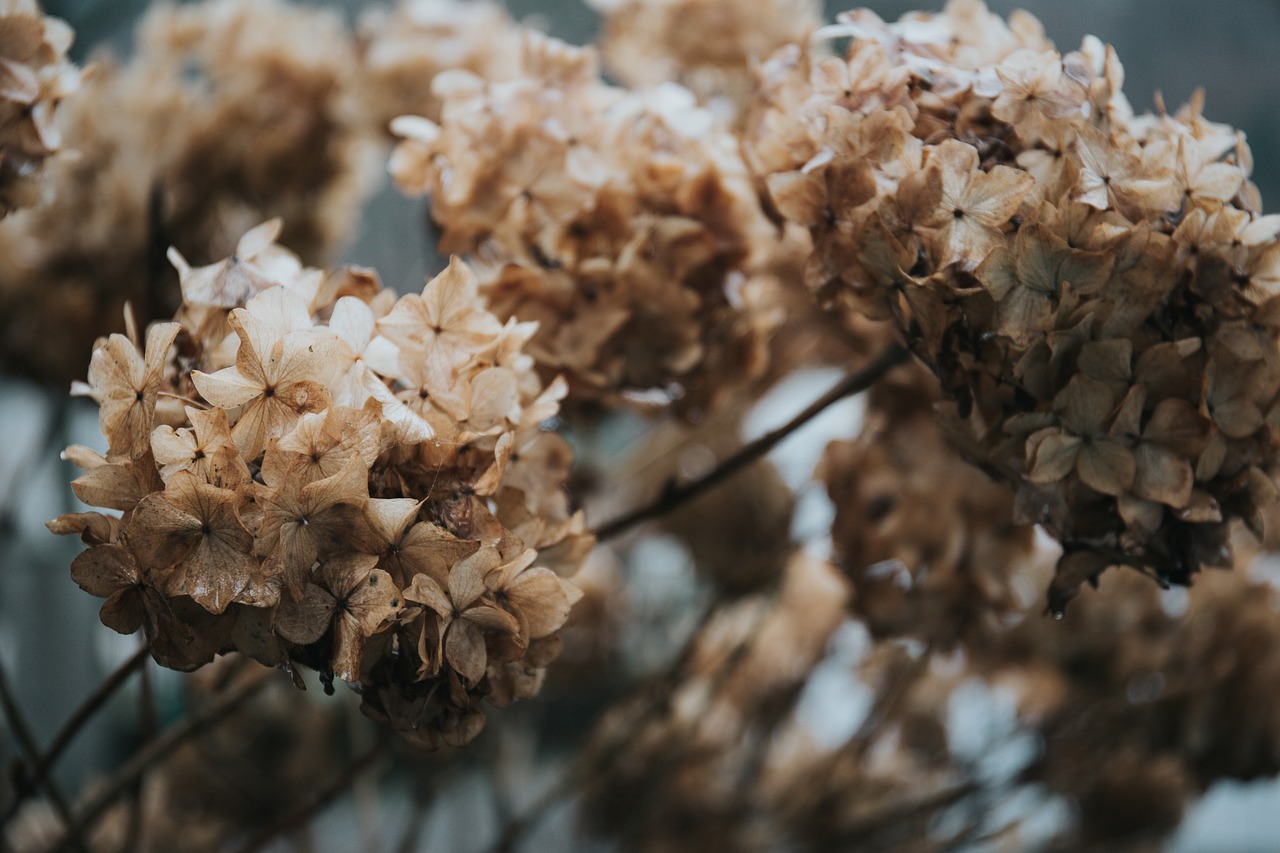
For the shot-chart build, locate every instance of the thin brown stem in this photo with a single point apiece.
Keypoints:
(674, 496)
(26, 740)
(163, 744)
(301, 815)
(87, 710)
(146, 730)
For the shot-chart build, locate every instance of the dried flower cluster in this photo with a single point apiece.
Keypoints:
(216, 123)
(312, 471)
(34, 77)
(623, 222)
(931, 546)
(708, 46)
(685, 759)
(307, 470)
(403, 49)
(1140, 706)
(1094, 289)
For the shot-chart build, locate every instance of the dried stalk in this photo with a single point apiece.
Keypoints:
(87, 710)
(161, 746)
(675, 496)
(22, 734)
(322, 798)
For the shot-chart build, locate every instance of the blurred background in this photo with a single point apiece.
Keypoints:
(53, 647)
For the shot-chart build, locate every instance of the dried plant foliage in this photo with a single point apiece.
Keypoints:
(313, 471)
(708, 46)
(34, 78)
(229, 112)
(1094, 289)
(676, 772)
(624, 222)
(307, 470)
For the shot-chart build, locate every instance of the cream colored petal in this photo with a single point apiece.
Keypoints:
(227, 388)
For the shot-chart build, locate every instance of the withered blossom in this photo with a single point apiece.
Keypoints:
(709, 46)
(226, 113)
(620, 221)
(402, 49)
(34, 77)
(262, 516)
(1091, 287)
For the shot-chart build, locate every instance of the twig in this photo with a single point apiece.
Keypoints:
(22, 734)
(322, 798)
(515, 827)
(164, 743)
(147, 730)
(422, 798)
(674, 496)
(104, 691)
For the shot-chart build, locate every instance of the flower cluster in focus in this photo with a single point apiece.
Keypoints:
(311, 471)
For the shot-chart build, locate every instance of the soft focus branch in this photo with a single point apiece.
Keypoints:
(590, 760)
(22, 734)
(162, 745)
(43, 763)
(675, 496)
(321, 799)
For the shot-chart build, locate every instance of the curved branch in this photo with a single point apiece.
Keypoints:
(321, 799)
(90, 707)
(22, 734)
(674, 496)
(160, 747)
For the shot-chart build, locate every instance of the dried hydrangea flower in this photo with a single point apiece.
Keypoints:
(671, 772)
(155, 164)
(931, 548)
(34, 77)
(1091, 287)
(290, 500)
(624, 223)
(708, 46)
(403, 49)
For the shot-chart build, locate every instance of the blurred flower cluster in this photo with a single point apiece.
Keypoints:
(34, 77)
(623, 222)
(1093, 289)
(648, 42)
(213, 125)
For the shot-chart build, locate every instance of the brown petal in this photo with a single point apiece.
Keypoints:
(124, 611)
(1054, 457)
(425, 590)
(1179, 427)
(492, 619)
(1106, 467)
(1162, 476)
(305, 621)
(541, 601)
(104, 569)
(464, 650)
(1084, 405)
